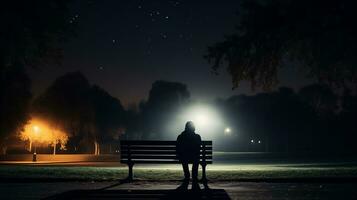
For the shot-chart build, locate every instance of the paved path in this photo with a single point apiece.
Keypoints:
(235, 190)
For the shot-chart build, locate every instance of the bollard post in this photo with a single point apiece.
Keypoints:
(34, 157)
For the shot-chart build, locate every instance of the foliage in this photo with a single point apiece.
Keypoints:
(86, 112)
(320, 97)
(66, 103)
(320, 36)
(30, 35)
(165, 100)
(109, 114)
(14, 101)
(43, 133)
(32, 30)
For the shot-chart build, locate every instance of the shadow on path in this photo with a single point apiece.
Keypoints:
(182, 192)
(143, 194)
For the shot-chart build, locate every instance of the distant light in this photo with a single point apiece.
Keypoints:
(259, 141)
(227, 131)
(252, 141)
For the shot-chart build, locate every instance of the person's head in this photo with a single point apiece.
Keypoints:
(190, 126)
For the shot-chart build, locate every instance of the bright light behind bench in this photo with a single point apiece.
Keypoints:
(207, 119)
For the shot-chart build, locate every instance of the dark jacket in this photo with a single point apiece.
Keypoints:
(188, 147)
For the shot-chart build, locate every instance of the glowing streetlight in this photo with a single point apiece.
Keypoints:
(251, 141)
(40, 133)
(36, 130)
(259, 142)
(227, 131)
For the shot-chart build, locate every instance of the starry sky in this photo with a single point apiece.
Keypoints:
(125, 45)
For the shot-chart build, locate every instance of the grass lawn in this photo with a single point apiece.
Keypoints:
(215, 172)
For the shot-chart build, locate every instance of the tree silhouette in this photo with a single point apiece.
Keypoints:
(88, 113)
(165, 99)
(320, 36)
(14, 103)
(66, 102)
(109, 117)
(347, 121)
(320, 98)
(279, 119)
(30, 35)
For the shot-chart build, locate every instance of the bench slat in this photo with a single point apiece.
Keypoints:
(155, 142)
(160, 161)
(125, 148)
(158, 157)
(156, 152)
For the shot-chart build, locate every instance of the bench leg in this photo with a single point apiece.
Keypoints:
(204, 178)
(130, 175)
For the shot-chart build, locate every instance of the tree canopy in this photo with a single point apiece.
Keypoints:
(165, 99)
(319, 35)
(32, 30)
(30, 35)
(87, 112)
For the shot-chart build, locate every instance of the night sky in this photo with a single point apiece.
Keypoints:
(124, 46)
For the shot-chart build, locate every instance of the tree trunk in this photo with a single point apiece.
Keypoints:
(54, 148)
(96, 148)
(30, 146)
(3, 149)
(98, 153)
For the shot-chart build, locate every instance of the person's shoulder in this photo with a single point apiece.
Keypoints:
(198, 136)
(179, 136)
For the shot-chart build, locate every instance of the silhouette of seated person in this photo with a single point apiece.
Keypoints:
(188, 152)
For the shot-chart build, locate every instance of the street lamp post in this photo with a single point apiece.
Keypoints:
(36, 129)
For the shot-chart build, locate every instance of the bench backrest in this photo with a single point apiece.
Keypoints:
(151, 151)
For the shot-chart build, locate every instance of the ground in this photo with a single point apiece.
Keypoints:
(235, 190)
(246, 179)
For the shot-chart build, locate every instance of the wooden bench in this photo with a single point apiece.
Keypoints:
(158, 152)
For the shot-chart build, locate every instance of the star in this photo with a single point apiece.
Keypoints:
(163, 35)
(175, 3)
